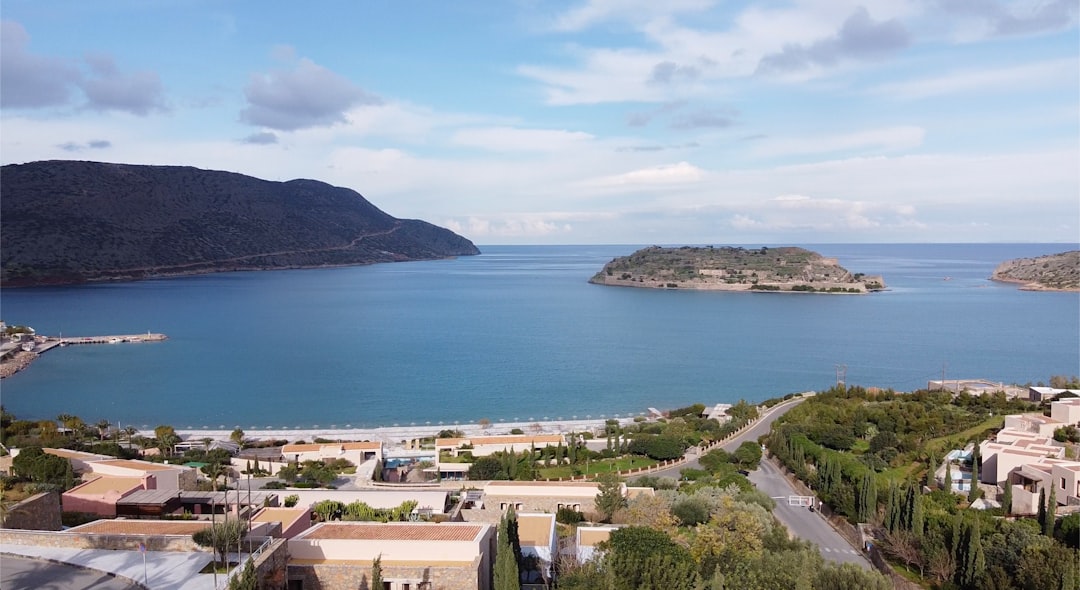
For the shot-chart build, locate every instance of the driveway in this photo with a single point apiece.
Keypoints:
(20, 573)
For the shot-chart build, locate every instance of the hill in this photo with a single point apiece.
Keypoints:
(1055, 272)
(69, 222)
(734, 269)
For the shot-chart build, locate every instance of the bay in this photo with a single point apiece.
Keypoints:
(517, 333)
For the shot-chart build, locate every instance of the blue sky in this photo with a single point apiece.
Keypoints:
(595, 121)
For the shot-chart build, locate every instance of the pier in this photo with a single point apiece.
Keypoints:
(147, 337)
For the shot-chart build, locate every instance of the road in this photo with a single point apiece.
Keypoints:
(32, 574)
(799, 520)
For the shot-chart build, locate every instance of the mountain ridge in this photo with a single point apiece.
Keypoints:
(69, 221)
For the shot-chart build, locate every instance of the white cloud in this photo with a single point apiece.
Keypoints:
(518, 139)
(888, 139)
(670, 174)
(1020, 77)
(593, 12)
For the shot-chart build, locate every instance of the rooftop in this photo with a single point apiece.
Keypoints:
(282, 515)
(536, 530)
(104, 484)
(397, 531)
(498, 440)
(592, 536)
(142, 527)
(140, 465)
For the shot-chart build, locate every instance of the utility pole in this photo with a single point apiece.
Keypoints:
(841, 375)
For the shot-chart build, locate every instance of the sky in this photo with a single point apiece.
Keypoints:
(583, 122)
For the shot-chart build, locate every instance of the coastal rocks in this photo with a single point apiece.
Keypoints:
(1054, 272)
(16, 362)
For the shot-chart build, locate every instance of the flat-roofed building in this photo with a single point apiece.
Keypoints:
(482, 446)
(1041, 394)
(547, 496)
(293, 521)
(79, 459)
(1066, 411)
(539, 546)
(166, 477)
(1031, 478)
(354, 452)
(414, 556)
(587, 538)
(1035, 423)
(998, 459)
(99, 495)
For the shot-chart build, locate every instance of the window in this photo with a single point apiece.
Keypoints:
(502, 505)
(519, 506)
(1063, 483)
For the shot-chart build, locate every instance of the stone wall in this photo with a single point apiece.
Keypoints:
(350, 577)
(92, 541)
(271, 566)
(40, 512)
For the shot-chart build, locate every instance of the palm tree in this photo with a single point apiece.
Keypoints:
(129, 432)
(214, 471)
(103, 428)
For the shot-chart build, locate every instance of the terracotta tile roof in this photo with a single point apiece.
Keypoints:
(142, 527)
(104, 484)
(392, 532)
(362, 446)
(306, 448)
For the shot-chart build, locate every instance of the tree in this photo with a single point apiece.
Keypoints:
(103, 428)
(748, 455)
(610, 497)
(867, 506)
(946, 484)
(376, 573)
(970, 560)
(640, 557)
(507, 576)
(221, 536)
(1007, 498)
(973, 492)
(214, 470)
(237, 436)
(38, 466)
(1041, 517)
(1051, 512)
(486, 468)
(167, 439)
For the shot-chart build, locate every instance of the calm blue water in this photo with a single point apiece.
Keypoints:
(518, 333)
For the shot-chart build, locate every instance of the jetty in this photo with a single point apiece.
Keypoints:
(147, 337)
(18, 352)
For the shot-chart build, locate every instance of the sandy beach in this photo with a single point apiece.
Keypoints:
(397, 434)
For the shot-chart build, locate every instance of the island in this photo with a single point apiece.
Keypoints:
(1053, 272)
(64, 222)
(786, 269)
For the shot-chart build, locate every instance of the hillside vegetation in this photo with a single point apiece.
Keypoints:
(69, 222)
(1052, 272)
(734, 269)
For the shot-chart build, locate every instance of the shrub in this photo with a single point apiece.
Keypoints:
(291, 500)
(274, 485)
(691, 511)
(569, 516)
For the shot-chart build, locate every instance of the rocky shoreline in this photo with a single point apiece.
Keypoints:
(18, 361)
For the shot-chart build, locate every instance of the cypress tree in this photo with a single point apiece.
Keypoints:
(971, 563)
(1041, 518)
(376, 573)
(1051, 513)
(893, 508)
(973, 492)
(947, 483)
(506, 576)
(867, 506)
(917, 515)
(1006, 500)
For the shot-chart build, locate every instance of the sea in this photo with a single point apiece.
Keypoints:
(517, 333)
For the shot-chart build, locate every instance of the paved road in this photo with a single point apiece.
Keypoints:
(18, 573)
(799, 520)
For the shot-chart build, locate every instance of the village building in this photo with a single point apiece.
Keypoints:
(413, 556)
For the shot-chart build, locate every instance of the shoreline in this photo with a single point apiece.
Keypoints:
(397, 434)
